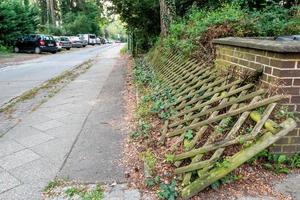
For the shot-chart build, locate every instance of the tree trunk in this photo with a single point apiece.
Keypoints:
(167, 14)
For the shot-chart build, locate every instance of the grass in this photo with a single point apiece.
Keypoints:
(57, 187)
(124, 50)
(53, 184)
(95, 194)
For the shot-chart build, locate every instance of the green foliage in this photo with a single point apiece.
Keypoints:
(239, 18)
(96, 194)
(170, 158)
(277, 162)
(227, 179)
(142, 20)
(168, 191)
(149, 160)
(52, 30)
(71, 191)
(284, 113)
(3, 49)
(185, 32)
(151, 182)
(86, 17)
(52, 184)
(16, 19)
(143, 129)
(189, 135)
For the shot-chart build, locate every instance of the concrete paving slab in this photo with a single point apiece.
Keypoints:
(35, 118)
(18, 159)
(23, 192)
(9, 146)
(48, 125)
(22, 130)
(37, 172)
(58, 114)
(55, 150)
(33, 140)
(67, 131)
(72, 119)
(7, 181)
(132, 195)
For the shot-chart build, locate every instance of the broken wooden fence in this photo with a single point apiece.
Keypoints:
(212, 109)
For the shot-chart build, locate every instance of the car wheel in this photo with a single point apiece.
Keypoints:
(68, 48)
(54, 52)
(16, 50)
(37, 50)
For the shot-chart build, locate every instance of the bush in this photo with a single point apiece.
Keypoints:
(3, 49)
(17, 19)
(185, 32)
(200, 26)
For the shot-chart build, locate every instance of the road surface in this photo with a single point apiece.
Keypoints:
(15, 79)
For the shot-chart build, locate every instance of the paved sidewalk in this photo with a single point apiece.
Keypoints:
(33, 152)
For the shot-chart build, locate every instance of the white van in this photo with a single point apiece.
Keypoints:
(89, 38)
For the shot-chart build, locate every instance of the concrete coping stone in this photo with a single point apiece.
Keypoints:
(265, 44)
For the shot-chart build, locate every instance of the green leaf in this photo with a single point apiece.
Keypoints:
(189, 135)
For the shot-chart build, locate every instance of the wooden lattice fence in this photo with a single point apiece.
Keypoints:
(211, 116)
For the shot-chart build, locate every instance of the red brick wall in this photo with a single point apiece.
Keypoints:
(281, 69)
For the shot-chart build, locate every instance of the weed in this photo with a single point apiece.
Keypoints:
(71, 191)
(284, 113)
(96, 194)
(170, 158)
(149, 160)
(143, 129)
(277, 162)
(168, 191)
(151, 182)
(53, 184)
(124, 50)
(189, 135)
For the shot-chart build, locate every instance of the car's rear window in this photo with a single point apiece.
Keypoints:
(47, 37)
(92, 36)
(64, 39)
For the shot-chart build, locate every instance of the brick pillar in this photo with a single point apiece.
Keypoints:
(280, 62)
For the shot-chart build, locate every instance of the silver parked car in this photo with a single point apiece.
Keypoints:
(76, 42)
(65, 42)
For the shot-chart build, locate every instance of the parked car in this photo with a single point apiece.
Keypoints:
(98, 41)
(103, 40)
(66, 43)
(83, 39)
(90, 38)
(36, 43)
(76, 42)
(58, 43)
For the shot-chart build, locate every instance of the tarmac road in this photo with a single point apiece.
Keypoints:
(18, 78)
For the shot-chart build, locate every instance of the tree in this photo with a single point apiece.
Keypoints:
(16, 19)
(142, 19)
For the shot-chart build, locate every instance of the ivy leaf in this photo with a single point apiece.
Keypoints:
(189, 135)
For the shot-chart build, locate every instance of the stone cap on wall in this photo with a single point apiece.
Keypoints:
(261, 44)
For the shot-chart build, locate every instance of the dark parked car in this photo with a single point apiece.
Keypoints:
(65, 42)
(36, 43)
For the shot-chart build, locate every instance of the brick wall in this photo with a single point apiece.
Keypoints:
(279, 68)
